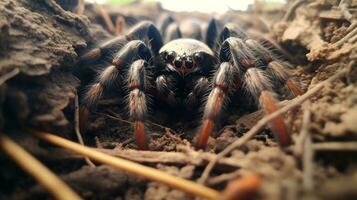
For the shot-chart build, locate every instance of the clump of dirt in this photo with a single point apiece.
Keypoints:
(41, 78)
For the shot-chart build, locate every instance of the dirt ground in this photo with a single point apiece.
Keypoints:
(41, 77)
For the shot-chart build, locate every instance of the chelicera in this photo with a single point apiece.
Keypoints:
(189, 73)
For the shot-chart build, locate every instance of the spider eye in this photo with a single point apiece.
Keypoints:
(198, 57)
(189, 62)
(178, 62)
(170, 56)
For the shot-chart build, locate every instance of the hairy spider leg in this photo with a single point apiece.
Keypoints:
(137, 84)
(165, 89)
(136, 55)
(199, 90)
(105, 79)
(223, 86)
(275, 68)
(211, 34)
(145, 31)
(257, 82)
(254, 79)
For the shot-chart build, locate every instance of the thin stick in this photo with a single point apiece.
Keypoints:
(37, 170)
(108, 22)
(292, 9)
(335, 146)
(9, 75)
(77, 129)
(299, 146)
(346, 13)
(131, 167)
(265, 120)
(308, 164)
(129, 122)
(81, 7)
(345, 38)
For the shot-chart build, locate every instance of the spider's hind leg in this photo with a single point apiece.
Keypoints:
(256, 81)
(260, 87)
(275, 68)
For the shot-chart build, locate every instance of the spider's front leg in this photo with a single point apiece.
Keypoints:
(165, 89)
(200, 87)
(138, 52)
(223, 87)
(137, 85)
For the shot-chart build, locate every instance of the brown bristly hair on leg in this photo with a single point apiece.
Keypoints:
(277, 125)
(106, 78)
(223, 86)
(258, 84)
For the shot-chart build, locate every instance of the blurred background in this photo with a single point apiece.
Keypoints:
(210, 6)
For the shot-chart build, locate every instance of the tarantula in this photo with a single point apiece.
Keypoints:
(184, 70)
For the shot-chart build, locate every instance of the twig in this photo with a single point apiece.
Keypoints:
(37, 170)
(108, 22)
(308, 164)
(292, 9)
(346, 13)
(335, 146)
(345, 38)
(147, 157)
(131, 167)
(129, 122)
(81, 7)
(77, 129)
(224, 177)
(261, 123)
(120, 25)
(299, 146)
(9, 75)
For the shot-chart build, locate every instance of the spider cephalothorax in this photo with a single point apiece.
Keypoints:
(184, 70)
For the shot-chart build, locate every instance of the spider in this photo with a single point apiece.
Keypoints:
(186, 72)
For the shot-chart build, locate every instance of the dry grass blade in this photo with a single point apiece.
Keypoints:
(37, 170)
(264, 121)
(299, 146)
(131, 167)
(335, 146)
(292, 8)
(108, 22)
(307, 151)
(77, 128)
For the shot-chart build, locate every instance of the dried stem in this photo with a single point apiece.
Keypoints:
(299, 146)
(292, 9)
(335, 146)
(262, 123)
(345, 38)
(308, 163)
(37, 170)
(77, 128)
(352, 29)
(9, 75)
(131, 167)
(108, 22)
(81, 7)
